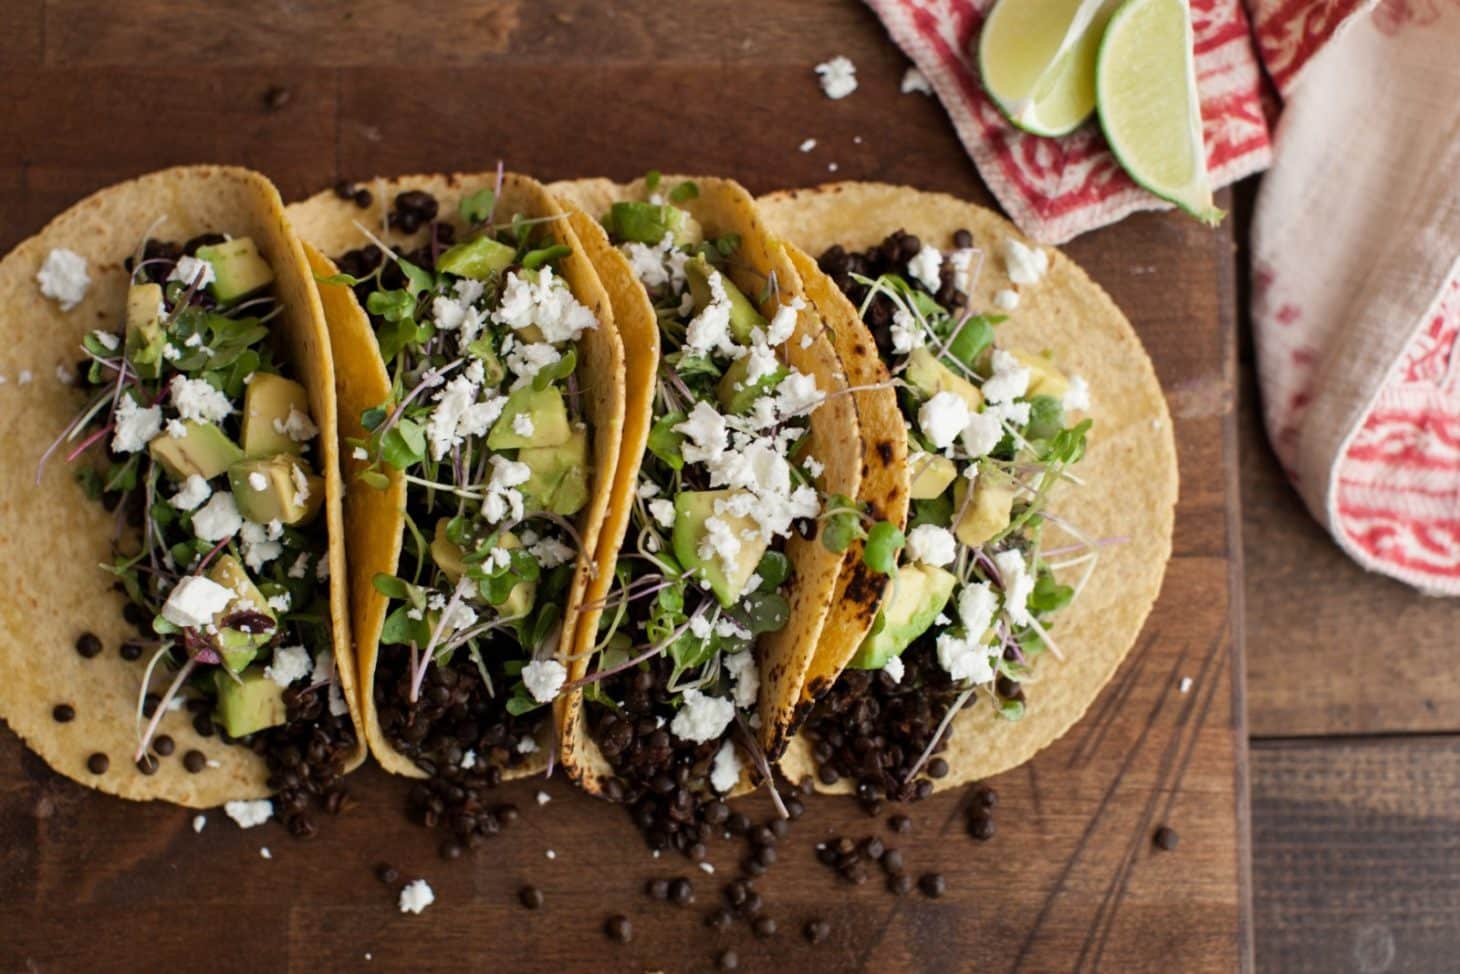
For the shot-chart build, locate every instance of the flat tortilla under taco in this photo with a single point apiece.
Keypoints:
(1042, 482)
(481, 381)
(203, 587)
(743, 427)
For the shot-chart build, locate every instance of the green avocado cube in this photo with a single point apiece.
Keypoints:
(203, 449)
(692, 509)
(479, 258)
(559, 481)
(546, 420)
(248, 702)
(268, 402)
(145, 336)
(238, 269)
(919, 593)
(736, 395)
(744, 318)
(647, 223)
(280, 488)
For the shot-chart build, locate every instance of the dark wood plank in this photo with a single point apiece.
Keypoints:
(1354, 854)
(1317, 623)
(1070, 882)
(22, 42)
(701, 34)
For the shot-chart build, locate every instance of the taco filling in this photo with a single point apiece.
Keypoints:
(486, 424)
(970, 609)
(206, 447)
(729, 476)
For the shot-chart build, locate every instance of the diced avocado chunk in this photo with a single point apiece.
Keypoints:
(238, 269)
(692, 510)
(1045, 378)
(929, 377)
(919, 593)
(239, 647)
(647, 223)
(559, 480)
(987, 513)
(145, 337)
(744, 318)
(203, 449)
(544, 409)
(249, 703)
(492, 371)
(452, 561)
(736, 395)
(929, 475)
(479, 258)
(289, 492)
(268, 400)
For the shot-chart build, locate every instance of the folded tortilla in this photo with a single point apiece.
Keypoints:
(723, 207)
(1129, 469)
(54, 540)
(377, 517)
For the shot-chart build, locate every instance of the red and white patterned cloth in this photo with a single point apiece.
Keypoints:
(1356, 241)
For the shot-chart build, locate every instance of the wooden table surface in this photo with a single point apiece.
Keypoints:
(1071, 882)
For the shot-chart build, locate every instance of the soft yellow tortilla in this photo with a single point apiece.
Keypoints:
(1129, 470)
(377, 522)
(53, 538)
(723, 207)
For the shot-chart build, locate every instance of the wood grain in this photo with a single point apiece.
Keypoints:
(1331, 648)
(1356, 854)
(1070, 883)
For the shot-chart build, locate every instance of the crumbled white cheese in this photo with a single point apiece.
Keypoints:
(783, 323)
(63, 277)
(1186, 683)
(527, 744)
(301, 565)
(709, 331)
(906, 333)
(982, 434)
(526, 359)
(135, 426)
(199, 822)
(416, 895)
(1006, 299)
(662, 511)
(360, 453)
(549, 553)
(701, 718)
(543, 679)
(725, 769)
(261, 543)
(706, 437)
(280, 602)
(107, 340)
(503, 499)
(258, 481)
(1077, 397)
(194, 602)
(913, 81)
(808, 145)
(300, 482)
(197, 400)
(65, 376)
(977, 604)
(522, 425)
(298, 426)
(290, 663)
(894, 668)
(925, 268)
(468, 760)
(930, 544)
(942, 418)
(265, 853)
(1018, 585)
(1026, 264)
(338, 706)
(546, 302)
(659, 265)
(838, 77)
(218, 519)
(1009, 381)
(964, 658)
(797, 393)
(193, 269)
(193, 492)
(542, 799)
(742, 669)
(249, 813)
(458, 415)
(813, 466)
(25, 377)
(455, 314)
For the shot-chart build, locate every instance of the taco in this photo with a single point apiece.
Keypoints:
(481, 383)
(202, 583)
(1041, 476)
(741, 463)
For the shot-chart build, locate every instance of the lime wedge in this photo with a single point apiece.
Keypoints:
(1037, 60)
(1145, 87)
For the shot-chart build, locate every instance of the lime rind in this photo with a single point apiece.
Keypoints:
(1195, 196)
